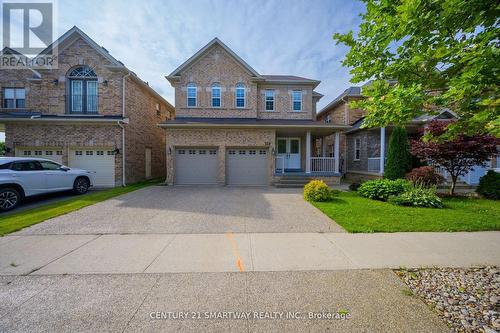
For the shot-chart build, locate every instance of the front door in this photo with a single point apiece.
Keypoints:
(288, 153)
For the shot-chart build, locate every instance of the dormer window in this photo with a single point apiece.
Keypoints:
(191, 95)
(297, 100)
(216, 95)
(328, 119)
(240, 95)
(82, 90)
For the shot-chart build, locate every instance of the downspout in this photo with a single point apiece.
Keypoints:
(120, 123)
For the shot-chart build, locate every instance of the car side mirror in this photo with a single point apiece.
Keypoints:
(64, 168)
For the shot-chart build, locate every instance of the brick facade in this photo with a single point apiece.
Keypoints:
(215, 64)
(66, 137)
(48, 95)
(220, 139)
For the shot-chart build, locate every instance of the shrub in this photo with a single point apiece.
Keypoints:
(425, 176)
(382, 189)
(418, 196)
(398, 155)
(489, 185)
(317, 190)
(354, 186)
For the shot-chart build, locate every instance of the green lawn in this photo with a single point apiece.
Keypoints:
(358, 214)
(16, 221)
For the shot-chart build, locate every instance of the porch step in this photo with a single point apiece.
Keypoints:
(293, 181)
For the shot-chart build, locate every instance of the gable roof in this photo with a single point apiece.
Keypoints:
(349, 92)
(74, 33)
(203, 50)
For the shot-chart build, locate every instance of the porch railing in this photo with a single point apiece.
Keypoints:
(322, 164)
(374, 164)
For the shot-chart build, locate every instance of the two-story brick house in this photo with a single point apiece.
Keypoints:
(235, 126)
(90, 112)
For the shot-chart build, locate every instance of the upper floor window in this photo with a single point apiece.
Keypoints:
(240, 95)
(216, 102)
(328, 119)
(269, 95)
(297, 100)
(191, 95)
(82, 90)
(14, 98)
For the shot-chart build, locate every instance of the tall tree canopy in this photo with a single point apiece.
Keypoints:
(425, 55)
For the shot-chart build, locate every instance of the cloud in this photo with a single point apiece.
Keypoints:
(275, 37)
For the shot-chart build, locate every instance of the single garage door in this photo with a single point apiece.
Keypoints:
(196, 166)
(54, 154)
(247, 166)
(100, 161)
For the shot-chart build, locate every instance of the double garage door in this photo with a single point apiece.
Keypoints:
(245, 166)
(50, 154)
(100, 161)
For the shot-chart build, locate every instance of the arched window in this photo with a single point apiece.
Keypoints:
(82, 90)
(216, 95)
(240, 95)
(191, 95)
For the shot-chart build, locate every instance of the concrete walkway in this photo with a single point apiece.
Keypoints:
(168, 253)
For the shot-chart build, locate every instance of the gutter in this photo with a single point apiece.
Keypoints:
(205, 125)
(55, 119)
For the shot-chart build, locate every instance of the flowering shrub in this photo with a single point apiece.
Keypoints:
(425, 176)
(317, 190)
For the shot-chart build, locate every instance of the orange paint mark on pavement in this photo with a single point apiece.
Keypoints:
(234, 248)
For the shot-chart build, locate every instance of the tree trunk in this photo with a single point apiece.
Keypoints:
(453, 184)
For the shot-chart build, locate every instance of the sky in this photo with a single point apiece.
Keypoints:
(153, 37)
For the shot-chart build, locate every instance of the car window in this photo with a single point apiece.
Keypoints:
(26, 166)
(5, 166)
(47, 165)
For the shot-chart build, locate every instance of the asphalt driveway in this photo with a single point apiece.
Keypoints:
(185, 210)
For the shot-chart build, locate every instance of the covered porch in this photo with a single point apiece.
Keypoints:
(297, 155)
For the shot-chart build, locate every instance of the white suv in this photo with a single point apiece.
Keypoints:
(24, 177)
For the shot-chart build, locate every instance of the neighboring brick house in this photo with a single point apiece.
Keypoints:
(362, 148)
(235, 126)
(90, 112)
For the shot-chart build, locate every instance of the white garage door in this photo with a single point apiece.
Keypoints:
(54, 154)
(247, 166)
(196, 166)
(100, 161)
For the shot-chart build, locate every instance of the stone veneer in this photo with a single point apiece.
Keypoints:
(221, 139)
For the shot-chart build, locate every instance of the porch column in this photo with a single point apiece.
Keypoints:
(336, 151)
(382, 150)
(308, 152)
(323, 147)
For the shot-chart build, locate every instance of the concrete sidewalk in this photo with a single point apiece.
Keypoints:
(374, 300)
(168, 253)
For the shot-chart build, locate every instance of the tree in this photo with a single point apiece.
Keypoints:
(458, 155)
(426, 55)
(2, 148)
(398, 155)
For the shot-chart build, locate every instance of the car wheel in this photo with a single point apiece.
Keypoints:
(9, 198)
(81, 185)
